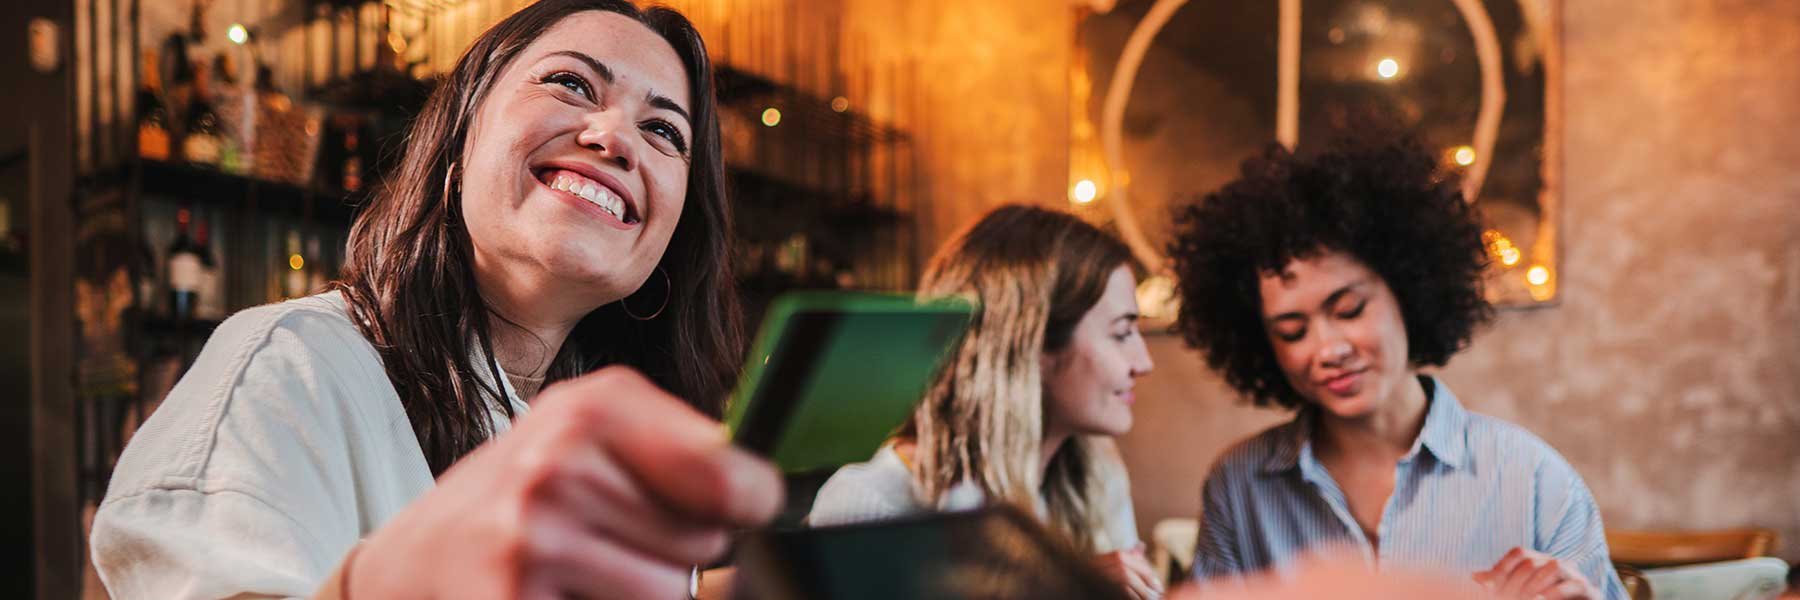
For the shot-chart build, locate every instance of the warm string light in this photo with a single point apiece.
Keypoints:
(771, 117)
(1501, 247)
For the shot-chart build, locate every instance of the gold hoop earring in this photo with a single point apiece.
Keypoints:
(668, 290)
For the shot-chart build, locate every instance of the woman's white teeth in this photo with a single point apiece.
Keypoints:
(596, 194)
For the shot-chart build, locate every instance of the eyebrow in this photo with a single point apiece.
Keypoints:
(663, 102)
(599, 68)
(606, 74)
(1329, 300)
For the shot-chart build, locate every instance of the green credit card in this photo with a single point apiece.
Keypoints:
(832, 374)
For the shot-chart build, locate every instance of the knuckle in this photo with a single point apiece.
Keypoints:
(537, 468)
(616, 377)
(512, 552)
(718, 484)
(744, 487)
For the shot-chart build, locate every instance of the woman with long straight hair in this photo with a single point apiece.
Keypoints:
(1025, 410)
(511, 390)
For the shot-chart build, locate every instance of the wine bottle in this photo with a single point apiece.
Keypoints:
(185, 269)
(211, 302)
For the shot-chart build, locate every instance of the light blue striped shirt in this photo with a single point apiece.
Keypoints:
(1472, 488)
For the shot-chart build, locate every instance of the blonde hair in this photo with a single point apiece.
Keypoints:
(1034, 273)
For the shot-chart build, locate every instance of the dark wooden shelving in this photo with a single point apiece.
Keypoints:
(204, 185)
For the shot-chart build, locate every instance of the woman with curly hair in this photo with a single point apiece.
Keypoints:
(1324, 285)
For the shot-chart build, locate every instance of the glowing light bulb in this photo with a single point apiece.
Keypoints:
(1509, 256)
(771, 117)
(1464, 155)
(840, 104)
(237, 34)
(296, 262)
(1537, 275)
(1084, 191)
(1387, 68)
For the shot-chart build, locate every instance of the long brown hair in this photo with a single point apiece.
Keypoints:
(1035, 273)
(410, 285)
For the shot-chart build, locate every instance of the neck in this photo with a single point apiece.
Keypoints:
(528, 318)
(525, 349)
(1388, 434)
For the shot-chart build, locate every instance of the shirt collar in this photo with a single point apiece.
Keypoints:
(1442, 436)
(1446, 424)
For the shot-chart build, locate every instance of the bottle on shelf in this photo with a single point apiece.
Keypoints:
(352, 162)
(203, 142)
(211, 302)
(176, 67)
(152, 113)
(233, 108)
(147, 277)
(185, 269)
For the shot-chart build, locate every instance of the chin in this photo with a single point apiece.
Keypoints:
(592, 265)
(1112, 426)
(1353, 407)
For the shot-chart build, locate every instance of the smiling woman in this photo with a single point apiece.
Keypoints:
(1325, 284)
(572, 154)
(1026, 411)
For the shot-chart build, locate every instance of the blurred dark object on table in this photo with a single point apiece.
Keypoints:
(996, 553)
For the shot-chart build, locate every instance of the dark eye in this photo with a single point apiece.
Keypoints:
(571, 82)
(664, 130)
(1354, 311)
(1292, 336)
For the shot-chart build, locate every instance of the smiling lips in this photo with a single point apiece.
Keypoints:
(1345, 384)
(594, 192)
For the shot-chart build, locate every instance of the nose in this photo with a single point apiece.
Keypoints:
(1141, 364)
(1334, 349)
(605, 134)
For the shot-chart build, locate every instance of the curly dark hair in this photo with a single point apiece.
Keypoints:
(1383, 201)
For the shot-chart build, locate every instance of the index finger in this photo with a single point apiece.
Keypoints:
(677, 454)
(1506, 563)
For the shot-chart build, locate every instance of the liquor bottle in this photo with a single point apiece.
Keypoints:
(185, 269)
(204, 138)
(153, 115)
(232, 106)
